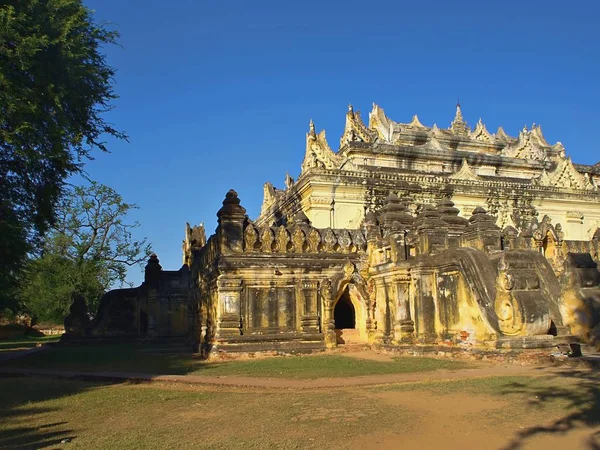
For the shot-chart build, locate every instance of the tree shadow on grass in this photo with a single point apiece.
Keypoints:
(582, 407)
(126, 358)
(23, 423)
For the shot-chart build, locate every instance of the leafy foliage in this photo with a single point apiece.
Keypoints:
(55, 86)
(87, 251)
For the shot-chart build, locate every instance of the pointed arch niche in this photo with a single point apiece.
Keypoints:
(349, 313)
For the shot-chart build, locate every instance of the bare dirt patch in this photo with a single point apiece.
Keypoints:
(369, 355)
(511, 421)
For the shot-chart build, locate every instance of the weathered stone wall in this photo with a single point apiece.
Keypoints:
(426, 278)
(410, 234)
(156, 309)
(263, 287)
(410, 275)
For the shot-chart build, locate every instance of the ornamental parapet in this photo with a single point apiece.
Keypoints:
(302, 239)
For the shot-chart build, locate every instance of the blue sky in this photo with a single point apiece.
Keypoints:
(217, 95)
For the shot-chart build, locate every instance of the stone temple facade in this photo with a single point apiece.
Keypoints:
(407, 235)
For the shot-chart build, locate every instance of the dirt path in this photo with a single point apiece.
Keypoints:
(467, 421)
(486, 370)
(369, 355)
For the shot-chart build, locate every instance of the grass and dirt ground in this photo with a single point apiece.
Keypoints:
(164, 361)
(431, 404)
(26, 341)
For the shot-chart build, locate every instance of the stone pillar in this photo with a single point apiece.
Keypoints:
(310, 313)
(211, 308)
(229, 322)
(230, 231)
(371, 325)
(328, 320)
(404, 326)
(425, 313)
(381, 313)
(398, 250)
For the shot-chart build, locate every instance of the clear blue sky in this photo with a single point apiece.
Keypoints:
(217, 95)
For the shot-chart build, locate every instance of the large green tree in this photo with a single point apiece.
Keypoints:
(87, 251)
(55, 85)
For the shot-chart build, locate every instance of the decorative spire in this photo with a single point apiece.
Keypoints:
(394, 214)
(231, 207)
(415, 122)
(536, 132)
(289, 181)
(449, 213)
(481, 133)
(311, 127)
(501, 135)
(355, 130)
(318, 153)
(459, 126)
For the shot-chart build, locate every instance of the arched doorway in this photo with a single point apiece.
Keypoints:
(344, 315)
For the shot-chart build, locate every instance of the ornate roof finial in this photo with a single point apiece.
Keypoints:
(459, 126)
(458, 112)
(350, 108)
(415, 122)
(289, 181)
(311, 127)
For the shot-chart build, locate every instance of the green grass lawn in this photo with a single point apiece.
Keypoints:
(142, 359)
(318, 366)
(40, 413)
(26, 342)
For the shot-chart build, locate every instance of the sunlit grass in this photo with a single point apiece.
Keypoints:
(40, 413)
(141, 359)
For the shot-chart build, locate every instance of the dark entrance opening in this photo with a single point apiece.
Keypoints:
(553, 330)
(344, 315)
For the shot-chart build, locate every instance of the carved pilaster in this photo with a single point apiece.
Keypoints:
(423, 283)
(229, 318)
(404, 326)
(371, 324)
(381, 313)
(328, 320)
(398, 251)
(310, 316)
